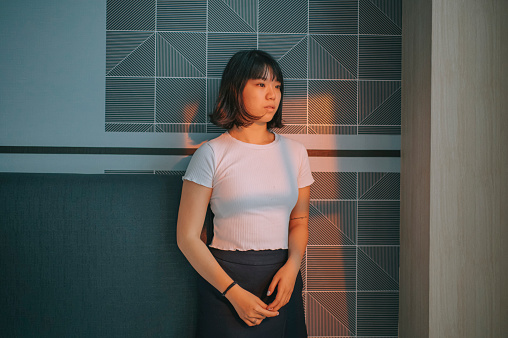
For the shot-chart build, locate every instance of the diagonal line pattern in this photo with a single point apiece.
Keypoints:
(283, 16)
(373, 94)
(387, 258)
(345, 216)
(392, 10)
(373, 20)
(332, 102)
(322, 231)
(324, 322)
(333, 69)
(386, 187)
(121, 45)
(371, 276)
(130, 15)
(366, 181)
(334, 185)
(245, 9)
(387, 113)
(320, 50)
(224, 18)
(176, 64)
(340, 306)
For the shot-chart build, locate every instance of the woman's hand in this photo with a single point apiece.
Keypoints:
(284, 281)
(250, 308)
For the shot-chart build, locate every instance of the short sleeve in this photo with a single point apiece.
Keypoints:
(304, 175)
(201, 167)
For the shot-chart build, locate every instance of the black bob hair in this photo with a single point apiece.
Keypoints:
(244, 65)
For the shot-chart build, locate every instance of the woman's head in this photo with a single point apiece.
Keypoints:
(245, 65)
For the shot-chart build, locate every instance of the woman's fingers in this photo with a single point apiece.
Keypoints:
(273, 285)
(284, 282)
(250, 308)
(282, 298)
(259, 315)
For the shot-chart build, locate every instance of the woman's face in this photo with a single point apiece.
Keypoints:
(262, 98)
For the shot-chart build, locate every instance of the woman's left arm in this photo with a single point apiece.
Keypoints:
(284, 279)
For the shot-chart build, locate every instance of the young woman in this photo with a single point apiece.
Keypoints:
(257, 184)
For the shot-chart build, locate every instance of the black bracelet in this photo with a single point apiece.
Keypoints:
(227, 289)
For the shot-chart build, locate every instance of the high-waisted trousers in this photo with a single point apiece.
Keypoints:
(253, 271)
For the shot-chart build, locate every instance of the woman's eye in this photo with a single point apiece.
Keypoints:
(261, 84)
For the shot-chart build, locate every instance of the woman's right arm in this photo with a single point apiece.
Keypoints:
(191, 216)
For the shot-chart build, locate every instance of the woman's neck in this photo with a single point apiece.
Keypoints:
(255, 133)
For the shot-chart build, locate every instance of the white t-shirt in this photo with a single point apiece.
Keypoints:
(255, 188)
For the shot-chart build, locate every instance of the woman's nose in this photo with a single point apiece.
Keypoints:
(270, 93)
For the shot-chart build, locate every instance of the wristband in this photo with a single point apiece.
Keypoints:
(228, 288)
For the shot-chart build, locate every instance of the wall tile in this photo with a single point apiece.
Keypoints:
(332, 222)
(377, 313)
(332, 102)
(334, 314)
(333, 56)
(181, 15)
(130, 99)
(380, 17)
(130, 15)
(232, 16)
(334, 185)
(331, 268)
(333, 16)
(283, 16)
(378, 268)
(130, 54)
(181, 54)
(378, 222)
(181, 100)
(379, 186)
(380, 57)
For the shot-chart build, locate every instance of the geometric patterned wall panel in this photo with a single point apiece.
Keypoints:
(380, 57)
(338, 52)
(333, 17)
(377, 314)
(379, 103)
(352, 260)
(341, 60)
(130, 100)
(334, 314)
(130, 15)
(283, 16)
(334, 186)
(378, 222)
(379, 17)
(378, 186)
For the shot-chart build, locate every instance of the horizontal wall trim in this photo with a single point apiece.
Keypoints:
(175, 151)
